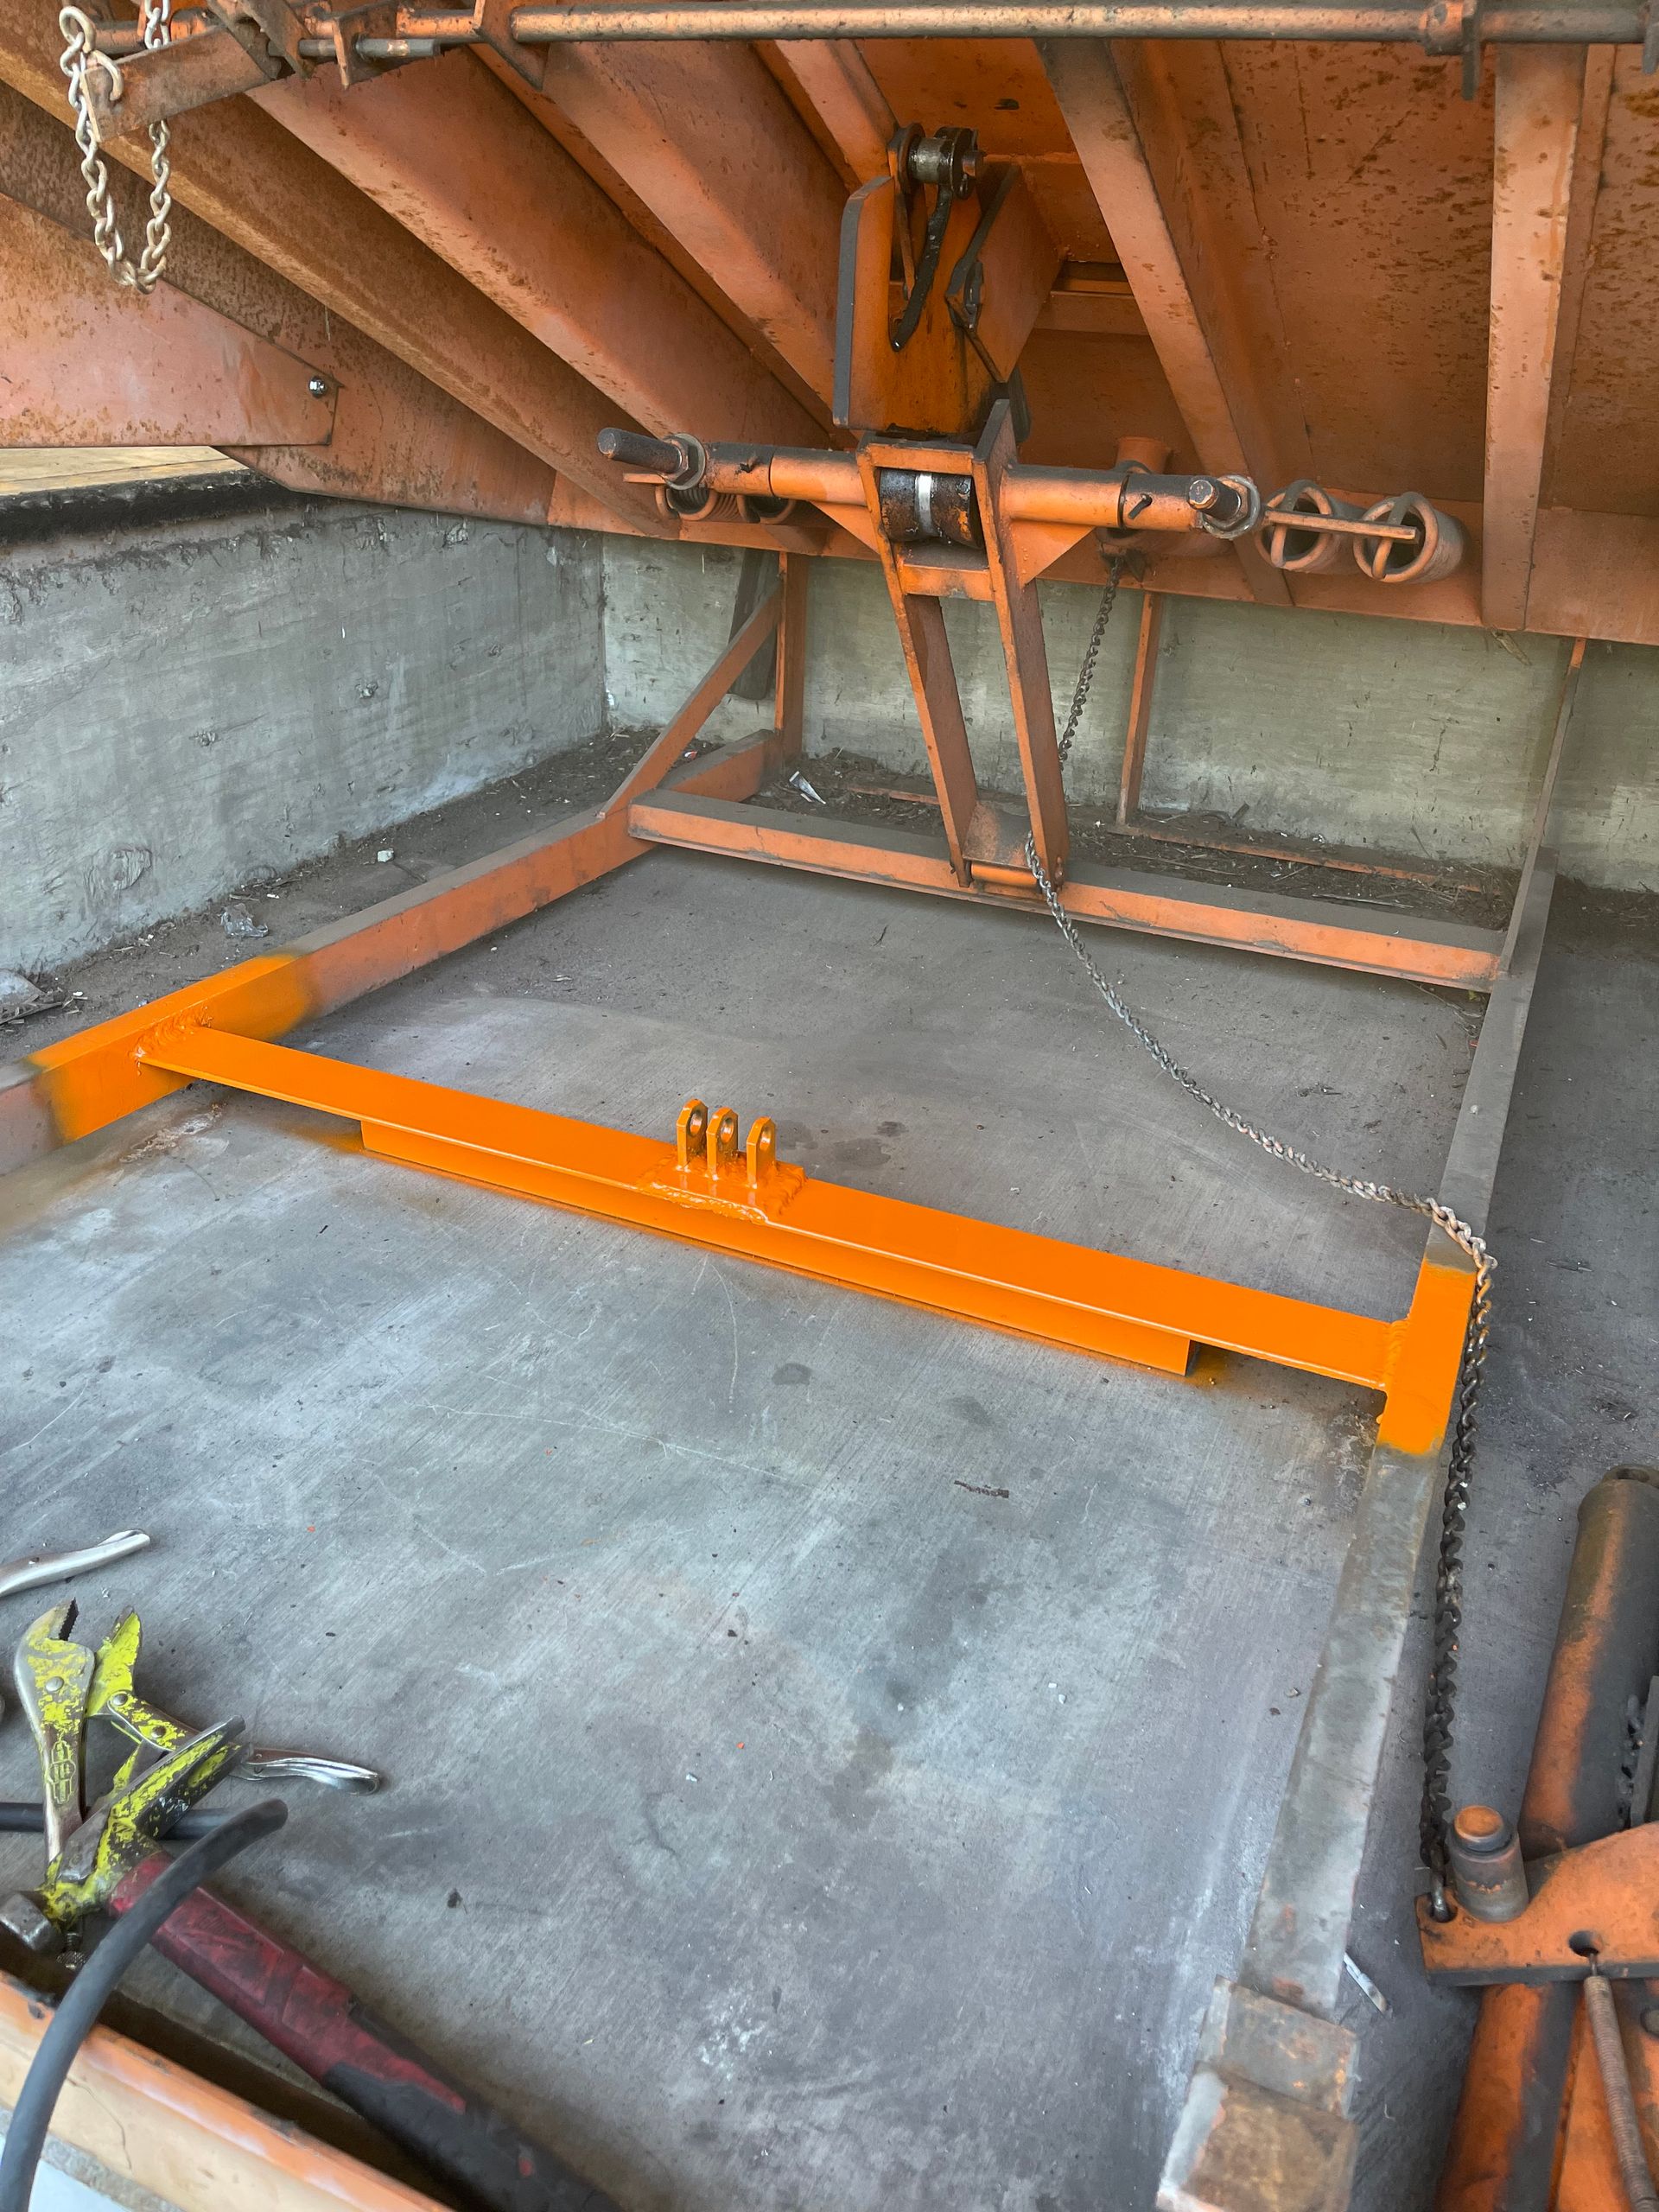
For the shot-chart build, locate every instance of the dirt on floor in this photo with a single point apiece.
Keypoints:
(1208, 848)
(269, 911)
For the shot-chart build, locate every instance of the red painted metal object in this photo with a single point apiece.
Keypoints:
(317, 2023)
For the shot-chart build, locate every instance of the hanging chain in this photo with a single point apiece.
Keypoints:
(1114, 566)
(79, 57)
(1439, 1701)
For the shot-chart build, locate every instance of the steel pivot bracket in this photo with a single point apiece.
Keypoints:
(1593, 1910)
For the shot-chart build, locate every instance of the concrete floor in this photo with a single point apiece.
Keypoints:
(781, 1816)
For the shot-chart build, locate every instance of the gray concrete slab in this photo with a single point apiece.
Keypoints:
(780, 1816)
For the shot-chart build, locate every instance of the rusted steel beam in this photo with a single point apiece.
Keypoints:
(1295, 929)
(250, 181)
(394, 437)
(679, 732)
(1140, 691)
(1538, 97)
(1593, 575)
(213, 65)
(708, 141)
(510, 210)
(83, 362)
(1186, 330)
(90, 1079)
(1590, 153)
(832, 78)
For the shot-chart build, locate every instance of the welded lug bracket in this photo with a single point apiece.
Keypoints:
(1593, 1910)
(1454, 27)
(273, 21)
(709, 1170)
(349, 26)
(151, 84)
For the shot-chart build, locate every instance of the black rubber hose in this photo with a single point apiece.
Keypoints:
(86, 1995)
(18, 1816)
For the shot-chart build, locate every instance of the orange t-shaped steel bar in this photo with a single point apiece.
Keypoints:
(1064, 1294)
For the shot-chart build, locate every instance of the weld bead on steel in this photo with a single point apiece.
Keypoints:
(1486, 1866)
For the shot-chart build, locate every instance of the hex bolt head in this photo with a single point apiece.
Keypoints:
(1202, 494)
(318, 387)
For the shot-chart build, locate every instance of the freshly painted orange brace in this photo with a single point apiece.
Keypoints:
(703, 1190)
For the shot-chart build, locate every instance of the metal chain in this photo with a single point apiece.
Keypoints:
(80, 55)
(1439, 1701)
(1114, 566)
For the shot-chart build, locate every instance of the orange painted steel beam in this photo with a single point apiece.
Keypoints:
(1025, 652)
(391, 435)
(709, 141)
(507, 208)
(1537, 99)
(925, 644)
(360, 278)
(679, 731)
(1107, 137)
(1068, 1295)
(83, 362)
(86, 1081)
(832, 78)
(1294, 928)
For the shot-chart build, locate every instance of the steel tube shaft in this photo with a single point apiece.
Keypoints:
(1139, 501)
(1377, 22)
(1087, 497)
(1521, 22)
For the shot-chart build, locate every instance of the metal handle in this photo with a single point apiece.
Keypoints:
(49, 1566)
(264, 1764)
(318, 2024)
(668, 458)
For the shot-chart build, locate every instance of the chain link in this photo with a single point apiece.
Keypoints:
(79, 57)
(1114, 566)
(1440, 1701)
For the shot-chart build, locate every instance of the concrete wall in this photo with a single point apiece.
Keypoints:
(1362, 731)
(189, 706)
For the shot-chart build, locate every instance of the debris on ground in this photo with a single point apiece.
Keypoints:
(21, 996)
(236, 921)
